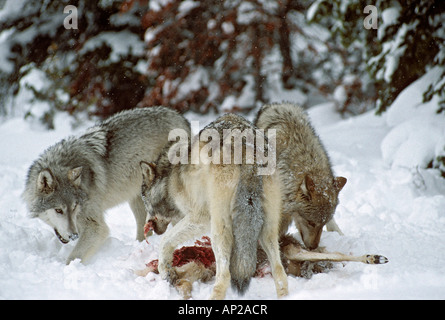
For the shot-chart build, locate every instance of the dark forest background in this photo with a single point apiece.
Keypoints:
(221, 55)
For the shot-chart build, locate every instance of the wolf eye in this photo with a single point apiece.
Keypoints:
(59, 211)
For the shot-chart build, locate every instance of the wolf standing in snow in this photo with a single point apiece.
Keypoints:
(309, 190)
(73, 182)
(240, 206)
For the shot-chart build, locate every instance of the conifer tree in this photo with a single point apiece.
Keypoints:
(408, 40)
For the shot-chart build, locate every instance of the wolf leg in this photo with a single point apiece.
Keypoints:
(138, 208)
(93, 233)
(269, 243)
(184, 230)
(269, 236)
(222, 240)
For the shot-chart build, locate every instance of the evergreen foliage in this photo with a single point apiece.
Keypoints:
(408, 41)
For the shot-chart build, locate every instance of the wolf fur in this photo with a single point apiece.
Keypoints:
(309, 189)
(73, 182)
(239, 207)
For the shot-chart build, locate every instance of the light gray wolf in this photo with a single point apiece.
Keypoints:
(74, 181)
(296, 261)
(239, 206)
(309, 190)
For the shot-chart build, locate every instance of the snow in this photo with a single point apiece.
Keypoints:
(228, 27)
(388, 207)
(8, 37)
(246, 13)
(417, 134)
(186, 6)
(310, 14)
(121, 44)
(390, 17)
(394, 49)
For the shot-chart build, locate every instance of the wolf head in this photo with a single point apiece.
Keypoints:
(154, 191)
(56, 199)
(317, 207)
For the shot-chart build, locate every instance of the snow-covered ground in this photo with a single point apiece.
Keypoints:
(387, 207)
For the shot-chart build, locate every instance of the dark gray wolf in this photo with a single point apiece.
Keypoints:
(230, 198)
(73, 182)
(309, 190)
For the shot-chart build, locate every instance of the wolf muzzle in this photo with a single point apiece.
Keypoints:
(72, 237)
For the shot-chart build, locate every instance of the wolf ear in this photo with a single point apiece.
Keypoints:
(308, 186)
(45, 181)
(339, 183)
(148, 172)
(75, 176)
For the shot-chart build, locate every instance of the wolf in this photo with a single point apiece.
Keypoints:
(74, 181)
(309, 190)
(239, 207)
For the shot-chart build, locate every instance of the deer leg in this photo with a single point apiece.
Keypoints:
(293, 252)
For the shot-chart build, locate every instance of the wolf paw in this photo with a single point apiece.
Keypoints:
(376, 259)
(217, 295)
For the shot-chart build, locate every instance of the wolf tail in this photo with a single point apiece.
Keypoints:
(248, 218)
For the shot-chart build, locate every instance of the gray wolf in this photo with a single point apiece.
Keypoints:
(297, 261)
(309, 189)
(238, 205)
(73, 182)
